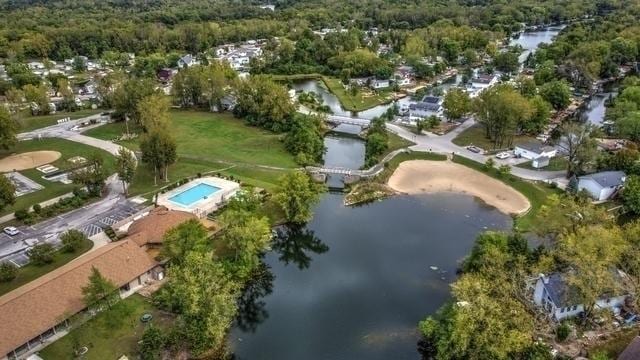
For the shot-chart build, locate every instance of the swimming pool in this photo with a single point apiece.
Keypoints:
(194, 194)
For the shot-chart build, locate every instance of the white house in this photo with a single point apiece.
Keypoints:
(428, 106)
(602, 185)
(560, 301)
(480, 82)
(533, 150)
(187, 61)
(380, 84)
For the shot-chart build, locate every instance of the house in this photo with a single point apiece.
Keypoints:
(632, 351)
(164, 75)
(428, 106)
(480, 82)
(403, 76)
(560, 301)
(540, 162)
(38, 313)
(603, 185)
(380, 83)
(187, 61)
(533, 150)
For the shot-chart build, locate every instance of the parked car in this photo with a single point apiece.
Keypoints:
(475, 149)
(11, 231)
(503, 155)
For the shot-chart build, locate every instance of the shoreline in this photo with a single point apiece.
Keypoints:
(426, 176)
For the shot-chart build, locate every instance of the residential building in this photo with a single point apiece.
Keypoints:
(533, 150)
(38, 313)
(380, 83)
(480, 82)
(428, 106)
(603, 185)
(561, 301)
(187, 61)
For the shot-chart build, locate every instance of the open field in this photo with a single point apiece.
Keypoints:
(51, 189)
(359, 102)
(211, 142)
(475, 135)
(423, 176)
(111, 334)
(28, 122)
(535, 192)
(31, 272)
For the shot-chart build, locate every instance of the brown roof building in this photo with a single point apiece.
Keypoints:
(150, 229)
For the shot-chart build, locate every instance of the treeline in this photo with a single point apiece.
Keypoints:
(61, 29)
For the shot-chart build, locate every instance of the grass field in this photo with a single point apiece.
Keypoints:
(28, 122)
(51, 189)
(536, 192)
(210, 142)
(111, 334)
(361, 101)
(475, 135)
(30, 272)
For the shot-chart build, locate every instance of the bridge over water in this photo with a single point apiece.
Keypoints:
(339, 119)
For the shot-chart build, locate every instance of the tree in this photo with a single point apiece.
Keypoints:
(7, 192)
(526, 86)
(264, 103)
(151, 344)
(504, 170)
(159, 150)
(126, 167)
(68, 98)
(539, 118)
(566, 214)
(557, 93)
(72, 240)
(153, 112)
(187, 237)
(41, 254)
(580, 147)
(99, 291)
(489, 164)
(456, 104)
(631, 194)
(8, 271)
(246, 236)
(38, 95)
(296, 195)
(8, 129)
(304, 139)
(15, 98)
(92, 176)
(628, 124)
(128, 94)
(506, 61)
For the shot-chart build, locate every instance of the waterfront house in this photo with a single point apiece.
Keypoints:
(427, 106)
(560, 300)
(187, 61)
(603, 185)
(380, 83)
(533, 150)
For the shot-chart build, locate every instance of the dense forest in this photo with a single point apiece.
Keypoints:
(62, 29)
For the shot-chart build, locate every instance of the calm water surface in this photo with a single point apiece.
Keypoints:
(354, 283)
(531, 40)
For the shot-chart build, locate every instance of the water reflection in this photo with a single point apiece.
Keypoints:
(251, 305)
(293, 243)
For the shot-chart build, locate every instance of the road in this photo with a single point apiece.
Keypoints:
(90, 219)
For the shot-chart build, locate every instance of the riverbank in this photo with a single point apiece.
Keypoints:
(426, 176)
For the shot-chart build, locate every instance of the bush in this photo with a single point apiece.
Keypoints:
(21, 214)
(72, 240)
(562, 332)
(8, 272)
(37, 208)
(41, 254)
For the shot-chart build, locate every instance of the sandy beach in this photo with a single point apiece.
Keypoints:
(424, 176)
(28, 160)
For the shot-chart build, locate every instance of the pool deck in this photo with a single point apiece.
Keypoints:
(205, 205)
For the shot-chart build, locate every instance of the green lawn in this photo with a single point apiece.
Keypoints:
(109, 335)
(30, 272)
(361, 101)
(475, 135)
(28, 122)
(210, 142)
(51, 189)
(536, 192)
(555, 164)
(396, 142)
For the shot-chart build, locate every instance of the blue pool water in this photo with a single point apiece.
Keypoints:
(194, 194)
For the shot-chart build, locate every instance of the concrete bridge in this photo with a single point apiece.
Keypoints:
(366, 173)
(339, 119)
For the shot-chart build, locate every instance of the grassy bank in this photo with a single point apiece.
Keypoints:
(31, 272)
(476, 135)
(111, 334)
(535, 192)
(210, 142)
(51, 189)
(28, 122)
(358, 102)
(295, 77)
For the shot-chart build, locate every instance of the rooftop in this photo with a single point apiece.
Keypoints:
(607, 178)
(151, 228)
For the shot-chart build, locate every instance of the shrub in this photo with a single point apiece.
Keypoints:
(72, 240)
(562, 332)
(37, 208)
(22, 214)
(8, 272)
(41, 254)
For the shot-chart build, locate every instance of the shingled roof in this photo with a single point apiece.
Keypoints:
(45, 302)
(151, 228)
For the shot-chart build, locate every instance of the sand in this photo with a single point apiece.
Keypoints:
(28, 160)
(423, 176)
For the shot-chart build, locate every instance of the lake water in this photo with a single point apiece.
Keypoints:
(354, 283)
(531, 40)
(343, 151)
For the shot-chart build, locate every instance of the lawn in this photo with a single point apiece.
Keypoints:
(111, 334)
(28, 122)
(51, 189)
(361, 101)
(31, 272)
(208, 143)
(536, 192)
(475, 135)
(555, 164)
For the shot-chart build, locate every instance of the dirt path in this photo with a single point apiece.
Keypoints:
(28, 160)
(423, 176)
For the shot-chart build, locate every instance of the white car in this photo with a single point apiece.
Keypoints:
(11, 231)
(503, 155)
